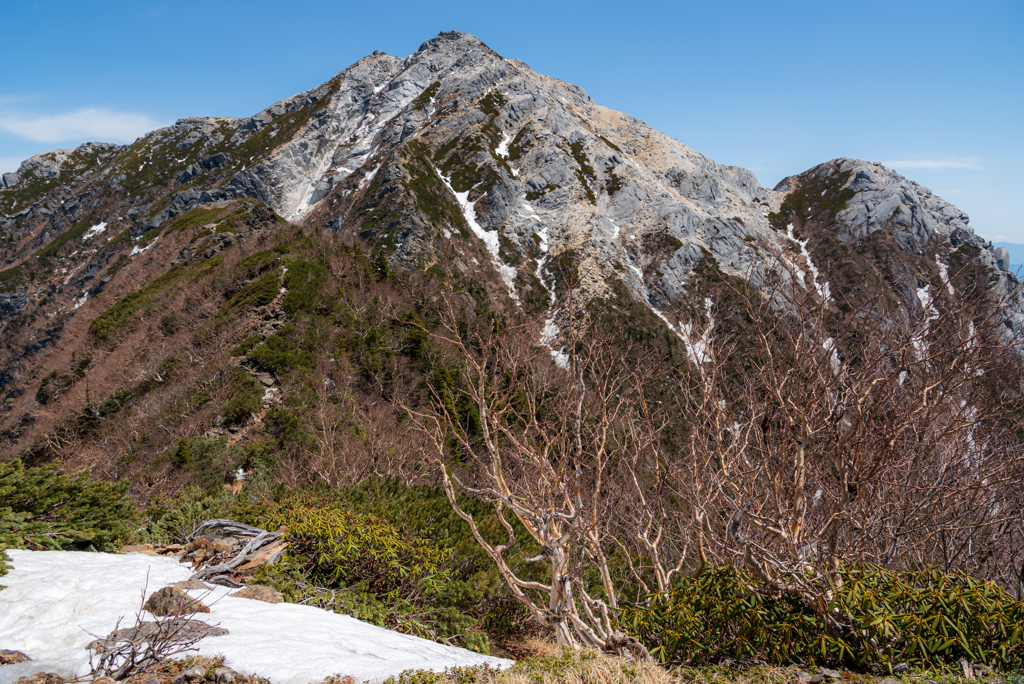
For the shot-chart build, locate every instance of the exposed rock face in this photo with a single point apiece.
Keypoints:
(13, 303)
(522, 171)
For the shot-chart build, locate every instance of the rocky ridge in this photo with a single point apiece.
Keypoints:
(458, 153)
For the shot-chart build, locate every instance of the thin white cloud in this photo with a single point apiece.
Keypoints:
(99, 125)
(933, 164)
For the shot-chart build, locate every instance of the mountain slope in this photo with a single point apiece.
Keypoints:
(454, 158)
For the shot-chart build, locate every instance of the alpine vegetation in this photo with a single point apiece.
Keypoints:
(444, 359)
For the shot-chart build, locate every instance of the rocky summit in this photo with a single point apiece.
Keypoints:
(455, 158)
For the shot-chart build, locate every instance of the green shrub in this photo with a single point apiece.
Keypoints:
(257, 293)
(280, 353)
(193, 217)
(43, 510)
(197, 451)
(367, 567)
(423, 99)
(246, 345)
(176, 520)
(120, 314)
(71, 234)
(927, 619)
(256, 264)
(304, 281)
(246, 398)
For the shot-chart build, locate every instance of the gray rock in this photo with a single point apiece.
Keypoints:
(12, 657)
(194, 674)
(1002, 256)
(13, 303)
(224, 675)
(184, 628)
(173, 601)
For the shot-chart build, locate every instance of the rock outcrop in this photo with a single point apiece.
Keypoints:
(523, 169)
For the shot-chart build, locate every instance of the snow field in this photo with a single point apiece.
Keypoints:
(56, 602)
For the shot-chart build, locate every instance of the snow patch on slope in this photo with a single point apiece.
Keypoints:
(140, 250)
(696, 342)
(489, 237)
(94, 231)
(944, 273)
(921, 341)
(502, 150)
(824, 291)
(549, 334)
(56, 601)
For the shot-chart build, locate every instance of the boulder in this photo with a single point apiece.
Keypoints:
(12, 657)
(42, 678)
(173, 601)
(258, 592)
(1003, 259)
(224, 675)
(13, 303)
(194, 674)
(180, 629)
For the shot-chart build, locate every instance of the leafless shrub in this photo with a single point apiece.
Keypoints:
(811, 437)
(145, 645)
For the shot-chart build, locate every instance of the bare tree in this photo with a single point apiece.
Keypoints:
(811, 437)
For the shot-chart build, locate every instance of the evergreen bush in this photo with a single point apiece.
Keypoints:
(924, 618)
(41, 509)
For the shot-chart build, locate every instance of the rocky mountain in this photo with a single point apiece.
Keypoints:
(452, 157)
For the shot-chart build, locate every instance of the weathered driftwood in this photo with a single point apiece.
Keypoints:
(260, 538)
(229, 527)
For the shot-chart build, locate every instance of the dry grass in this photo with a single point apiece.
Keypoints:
(551, 665)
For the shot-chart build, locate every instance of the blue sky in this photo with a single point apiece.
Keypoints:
(935, 89)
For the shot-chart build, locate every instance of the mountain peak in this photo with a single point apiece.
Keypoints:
(406, 153)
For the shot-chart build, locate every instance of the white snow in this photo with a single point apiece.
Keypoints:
(81, 301)
(140, 250)
(698, 343)
(490, 237)
(502, 150)
(921, 341)
(829, 345)
(369, 177)
(823, 290)
(549, 334)
(944, 274)
(56, 602)
(94, 231)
